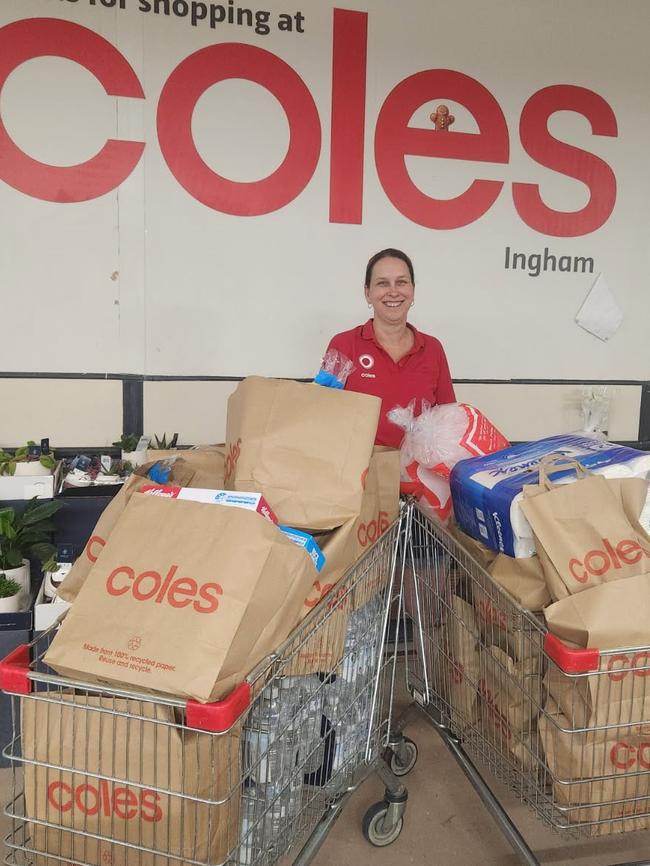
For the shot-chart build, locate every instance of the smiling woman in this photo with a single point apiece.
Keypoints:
(393, 360)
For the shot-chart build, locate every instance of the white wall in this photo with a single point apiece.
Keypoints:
(81, 413)
(147, 279)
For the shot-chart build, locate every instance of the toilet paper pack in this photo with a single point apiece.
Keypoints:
(487, 491)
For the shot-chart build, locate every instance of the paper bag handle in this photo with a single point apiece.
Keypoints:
(558, 463)
(571, 661)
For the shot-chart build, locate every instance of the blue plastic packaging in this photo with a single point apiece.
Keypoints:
(483, 488)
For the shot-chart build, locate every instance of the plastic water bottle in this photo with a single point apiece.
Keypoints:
(282, 743)
(348, 701)
(316, 736)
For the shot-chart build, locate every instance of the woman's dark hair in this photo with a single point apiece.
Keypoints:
(388, 254)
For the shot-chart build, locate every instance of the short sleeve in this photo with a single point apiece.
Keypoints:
(445, 388)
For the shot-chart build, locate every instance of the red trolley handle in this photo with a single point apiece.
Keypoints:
(219, 716)
(14, 671)
(571, 661)
(216, 717)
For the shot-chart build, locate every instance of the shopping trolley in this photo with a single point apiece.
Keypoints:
(111, 777)
(567, 730)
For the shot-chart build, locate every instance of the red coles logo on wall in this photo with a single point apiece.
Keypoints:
(394, 137)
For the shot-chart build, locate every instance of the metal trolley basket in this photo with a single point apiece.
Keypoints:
(568, 730)
(111, 777)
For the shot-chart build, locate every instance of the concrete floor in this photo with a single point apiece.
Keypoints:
(445, 822)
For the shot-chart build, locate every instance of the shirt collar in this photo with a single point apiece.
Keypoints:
(368, 333)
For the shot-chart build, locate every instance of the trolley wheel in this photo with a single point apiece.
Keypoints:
(374, 826)
(403, 759)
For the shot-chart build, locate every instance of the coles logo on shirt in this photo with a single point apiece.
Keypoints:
(367, 362)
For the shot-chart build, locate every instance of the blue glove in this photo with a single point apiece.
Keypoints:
(329, 380)
(159, 474)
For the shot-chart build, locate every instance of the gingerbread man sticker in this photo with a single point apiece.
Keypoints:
(442, 119)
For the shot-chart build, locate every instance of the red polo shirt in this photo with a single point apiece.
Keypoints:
(423, 373)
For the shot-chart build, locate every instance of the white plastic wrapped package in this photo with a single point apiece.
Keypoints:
(434, 442)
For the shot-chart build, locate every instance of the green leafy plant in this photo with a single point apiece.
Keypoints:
(163, 444)
(7, 463)
(127, 442)
(8, 586)
(21, 455)
(26, 535)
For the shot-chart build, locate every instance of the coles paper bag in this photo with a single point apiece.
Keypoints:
(585, 533)
(509, 695)
(502, 623)
(605, 617)
(194, 467)
(379, 508)
(454, 664)
(614, 695)
(303, 446)
(342, 547)
(510, 692)
(612, 616)
(207, 464)
(135, 777)
(597, 778)
(185, 598)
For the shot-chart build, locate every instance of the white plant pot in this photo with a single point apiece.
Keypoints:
(22, 577)
(135, 458)
(11, 604)
(32, 468)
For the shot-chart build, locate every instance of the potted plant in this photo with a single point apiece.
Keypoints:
(161, 443)
(21, 463)
(10, 592)
(25, 536)
(127, 443)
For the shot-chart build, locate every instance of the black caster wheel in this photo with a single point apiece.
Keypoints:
(404, 758)
(376, 830)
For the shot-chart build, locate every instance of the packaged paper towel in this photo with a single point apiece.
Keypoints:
(486, 491)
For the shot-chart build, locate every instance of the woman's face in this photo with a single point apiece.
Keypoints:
(391, 290)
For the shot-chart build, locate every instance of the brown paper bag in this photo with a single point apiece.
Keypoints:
(342, 548)
(304, 446)
(453, 666)
(132, 775)
(522, 579)
(632, 493)
(207, 464)
(608, 616)
(500, 622)
(379, 509)
(576, 759)
(510, 692)
(503, 623)
(584, 530)
(194, 467)
(616, 695)
(181, 474)
(185, 598)
(479, 552)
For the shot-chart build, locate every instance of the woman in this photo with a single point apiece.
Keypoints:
(392, 359)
